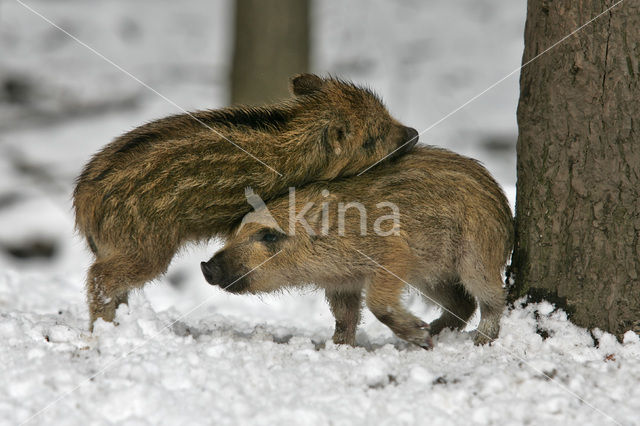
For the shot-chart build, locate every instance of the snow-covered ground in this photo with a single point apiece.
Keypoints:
(239, 368)
(187, 353)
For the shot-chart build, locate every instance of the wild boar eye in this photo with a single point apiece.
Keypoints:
(269, 237)
(369, 143)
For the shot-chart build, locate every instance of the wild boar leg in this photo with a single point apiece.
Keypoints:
(383, 298)
(457, 304)
(111, 278)
(345, 306)
(491, 299)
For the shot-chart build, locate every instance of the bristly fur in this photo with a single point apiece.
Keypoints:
(454, 238)
(254, 118)
(182, 178)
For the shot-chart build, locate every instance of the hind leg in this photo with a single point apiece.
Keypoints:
(491, 311)
(108, 284)
(109, 281)
(491, 299)
(457, 306)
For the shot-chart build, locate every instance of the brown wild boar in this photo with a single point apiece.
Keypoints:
(181, 178)
(448, 232)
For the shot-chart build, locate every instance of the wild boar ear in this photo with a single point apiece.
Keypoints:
(333, 137)
(305, 84)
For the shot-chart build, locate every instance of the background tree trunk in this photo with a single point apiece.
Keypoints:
(578, 200)
(271, 44)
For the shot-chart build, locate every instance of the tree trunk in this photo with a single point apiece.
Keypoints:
(271, 44)
(578, 200)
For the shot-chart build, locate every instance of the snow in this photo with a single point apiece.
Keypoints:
(160, 367)
(185, 352)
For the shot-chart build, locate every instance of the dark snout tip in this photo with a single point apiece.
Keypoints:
(410, 140)
(412, 136)
(206, 271)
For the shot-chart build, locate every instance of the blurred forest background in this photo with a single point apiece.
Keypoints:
(60, 101)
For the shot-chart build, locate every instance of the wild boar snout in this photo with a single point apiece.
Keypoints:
(218, 271)
(212, 272)
(406, 141)
(411, 137)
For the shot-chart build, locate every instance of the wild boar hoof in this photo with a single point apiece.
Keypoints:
(481, 339)
(425, 342)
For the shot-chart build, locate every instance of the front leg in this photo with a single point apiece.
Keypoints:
(345, 306)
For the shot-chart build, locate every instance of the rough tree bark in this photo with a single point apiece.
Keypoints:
(271, 44)
(578, 200)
